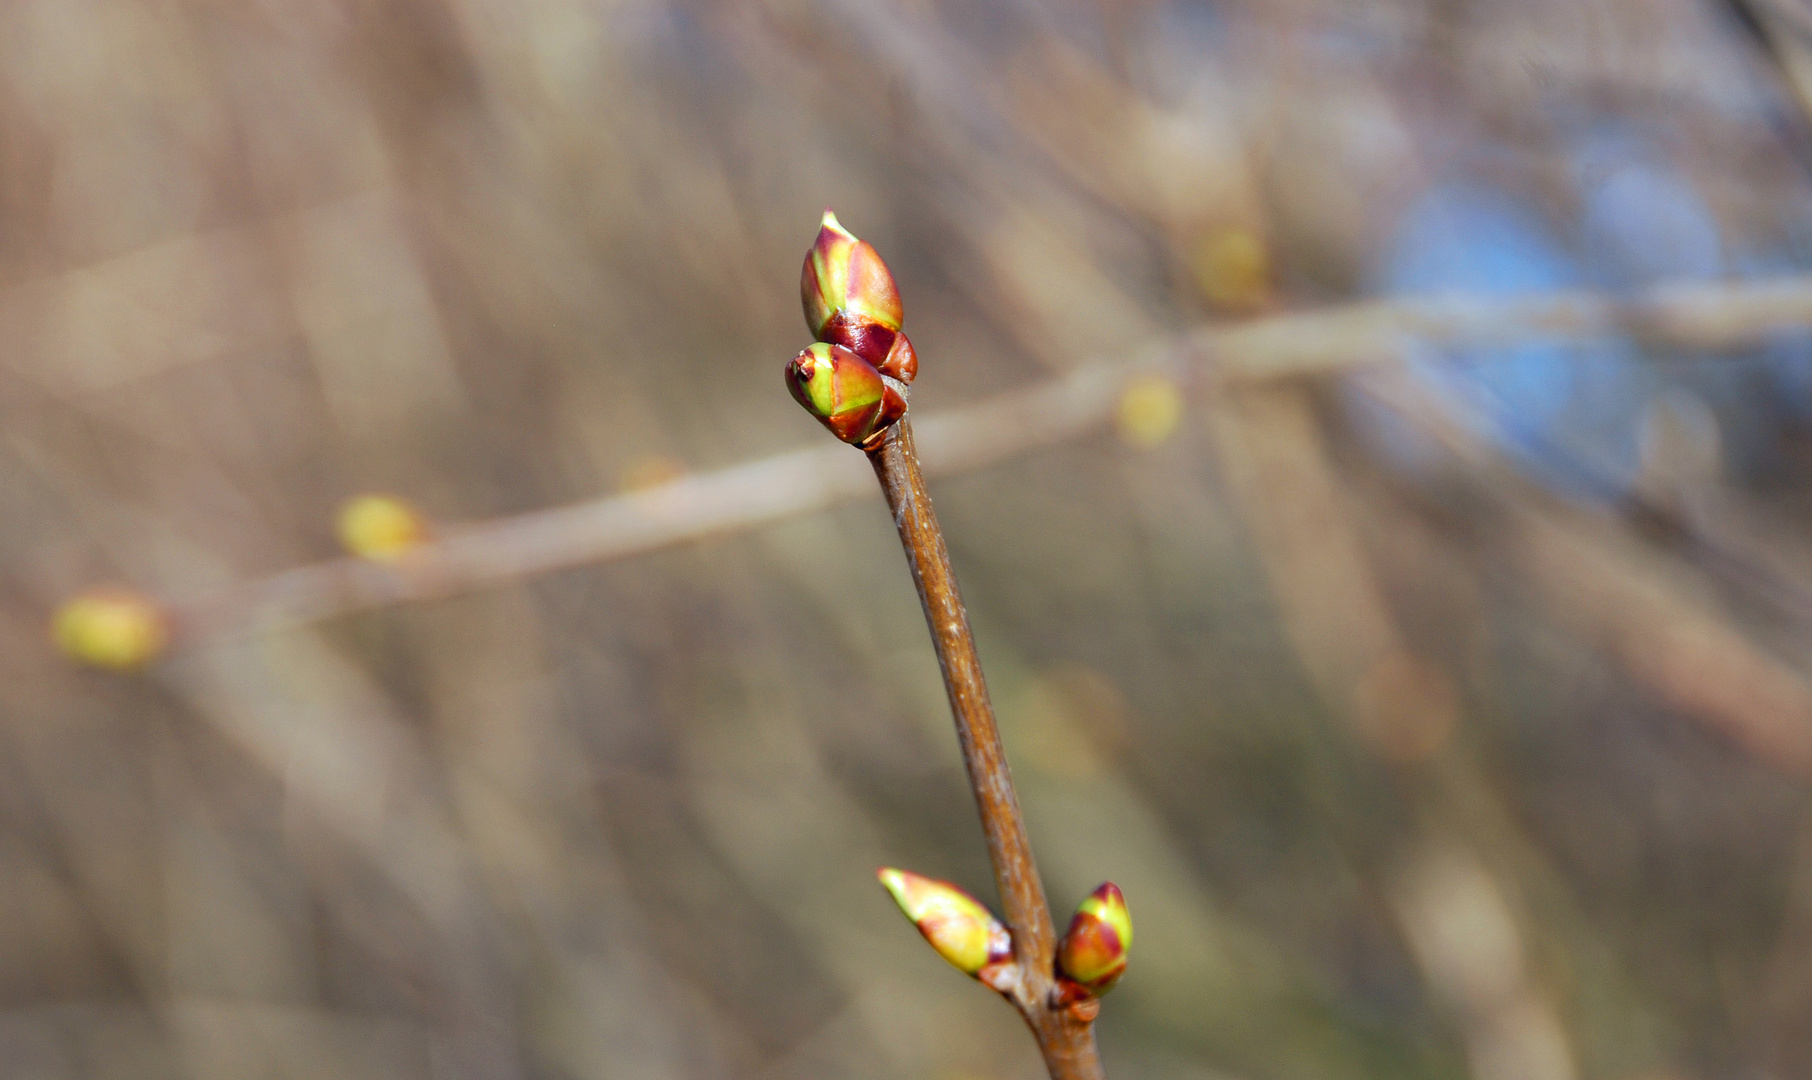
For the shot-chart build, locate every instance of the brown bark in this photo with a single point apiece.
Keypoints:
(1065, 1035)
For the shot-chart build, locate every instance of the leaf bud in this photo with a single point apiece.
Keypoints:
(850, 300)
(111, 628)
(382, 528)
(845, 393)
(1092, 954)
(958, 926)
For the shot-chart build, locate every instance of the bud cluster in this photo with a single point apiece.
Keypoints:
(853, 309)
(1090, 958)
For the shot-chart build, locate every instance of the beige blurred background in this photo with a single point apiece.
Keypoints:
(1444, 718)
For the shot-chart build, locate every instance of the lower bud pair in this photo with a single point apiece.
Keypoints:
(1090, 958)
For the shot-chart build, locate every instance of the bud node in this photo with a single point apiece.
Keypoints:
(999, 977)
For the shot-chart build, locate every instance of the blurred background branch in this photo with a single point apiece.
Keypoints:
(744, 496)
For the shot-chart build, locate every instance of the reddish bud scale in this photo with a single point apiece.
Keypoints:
(1092, 955)
(888, 350)
(845, 393)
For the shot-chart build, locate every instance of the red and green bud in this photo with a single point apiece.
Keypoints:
(1092, 955)
(850, 300)
(845, 393)
(958, 926)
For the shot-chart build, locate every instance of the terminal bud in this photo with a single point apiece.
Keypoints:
(850, 300)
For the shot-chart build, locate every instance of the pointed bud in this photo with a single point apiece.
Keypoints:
(382, 528)
(116, 629)
(959, 927)
(1092, 954)
(845, 393)
(850, 300)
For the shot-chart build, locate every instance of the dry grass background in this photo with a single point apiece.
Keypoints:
(1423, 766)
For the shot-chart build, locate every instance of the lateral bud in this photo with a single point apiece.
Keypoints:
(958, 926)
(850, 300)
(845, 392)
(1092, 955)
(382, 528)
(112, 628)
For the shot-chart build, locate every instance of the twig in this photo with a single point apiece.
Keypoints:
(1065, 1035)
(1620, 595)
(744, 496)
(1781, 31)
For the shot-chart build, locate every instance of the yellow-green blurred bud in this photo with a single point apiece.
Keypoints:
(1092, 955)
(850, 300)
(845, 393)
(380, 527)
(1233, 267)
(651, 471)
(116, 629)
(1150, 409)
(959, 927)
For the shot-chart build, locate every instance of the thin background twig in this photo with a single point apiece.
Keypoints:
(1703, 316)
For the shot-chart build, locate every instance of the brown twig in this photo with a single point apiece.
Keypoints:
(1642, 609)
(1783, 32)
(1065, 1035)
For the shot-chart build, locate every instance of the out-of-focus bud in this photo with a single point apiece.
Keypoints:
(651, 471)
(1233, 267)
(1150, 409)
(845, 393)
(1092, 954)
(850, 300)
(116, 629)
(383, 528)
(959, 927)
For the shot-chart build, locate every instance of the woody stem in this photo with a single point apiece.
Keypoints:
(1066, 1036)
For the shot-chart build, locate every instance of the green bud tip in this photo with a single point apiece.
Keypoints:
(958, 926)
(1092, 955)
(845, 393)
(850, 300)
